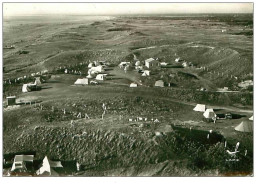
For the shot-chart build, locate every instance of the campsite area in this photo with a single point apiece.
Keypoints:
(130, 95)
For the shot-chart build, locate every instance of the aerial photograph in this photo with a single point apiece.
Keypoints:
(127, 90)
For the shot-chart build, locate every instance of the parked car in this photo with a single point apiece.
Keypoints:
(228, 116)
(94, 82)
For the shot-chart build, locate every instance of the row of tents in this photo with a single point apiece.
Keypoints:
(244, 126)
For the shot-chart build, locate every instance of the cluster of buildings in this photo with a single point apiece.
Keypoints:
(95, 73)
(24, 165)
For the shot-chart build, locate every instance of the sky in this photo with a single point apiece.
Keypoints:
(12, 9)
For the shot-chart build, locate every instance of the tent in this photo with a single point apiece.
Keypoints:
(84, 81)
(20, 162)
(28, 87)
(90, 65)
(47, 167)
(146, 73)
(251, 118)
(37, 81)
(124, 64)
(209, 113)
(200, 108)
(100, 77)
(137, 63)
(159, 83)
(97, 69)
(163, 64)
(133, 85)
(245, 126)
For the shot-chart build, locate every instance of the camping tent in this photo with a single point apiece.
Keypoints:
(209, 113)
(25, 88)
(47, 167)
(251, 118)
(159, 83)
(137, 63)
(146, 73)
(163, 64)
(200, 108)
(20, 162)
(90, 65)
(84, 81)
(133, 85)
(97, 69)
(30, 87)
(245, 126)
(124, 64)
(37, 81)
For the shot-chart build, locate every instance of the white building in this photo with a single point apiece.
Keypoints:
(151, 62)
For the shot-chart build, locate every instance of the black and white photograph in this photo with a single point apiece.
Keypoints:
(125, 89)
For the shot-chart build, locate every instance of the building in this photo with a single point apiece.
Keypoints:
(22, 163)
(11, 100)
(101, 77)
(151, 62)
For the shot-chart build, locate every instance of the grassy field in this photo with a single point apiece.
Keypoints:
(115, 145)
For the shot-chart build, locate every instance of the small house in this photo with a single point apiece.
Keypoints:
(100, 77)
(151, 62)
(11, 100)
(22, 163)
